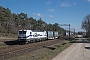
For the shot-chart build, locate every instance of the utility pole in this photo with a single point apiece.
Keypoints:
(66, 25)
(74, 32)
(69, 31)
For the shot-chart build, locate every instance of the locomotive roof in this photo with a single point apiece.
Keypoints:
(33, 30)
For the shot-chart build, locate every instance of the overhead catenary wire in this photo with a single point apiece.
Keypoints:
(7, 6)
(10, 5)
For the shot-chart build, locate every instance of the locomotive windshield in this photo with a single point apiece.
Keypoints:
(22, 32)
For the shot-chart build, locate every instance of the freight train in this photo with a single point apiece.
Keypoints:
(27, 36)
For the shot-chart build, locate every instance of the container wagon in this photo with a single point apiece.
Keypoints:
(50, 35)
(55, 34)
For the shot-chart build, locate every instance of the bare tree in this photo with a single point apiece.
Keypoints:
(86, 24)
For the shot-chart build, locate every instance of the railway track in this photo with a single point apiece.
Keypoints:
(16, 50)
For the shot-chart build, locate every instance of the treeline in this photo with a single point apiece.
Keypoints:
(86, 25)
(10, 22)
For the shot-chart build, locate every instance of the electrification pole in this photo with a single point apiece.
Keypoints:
(69, 31)
(66, 25)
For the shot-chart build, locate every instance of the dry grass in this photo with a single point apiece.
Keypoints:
(45, 53)
(53, 53)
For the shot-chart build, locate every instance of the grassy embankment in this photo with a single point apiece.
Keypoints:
(55, 49)
(45, 53)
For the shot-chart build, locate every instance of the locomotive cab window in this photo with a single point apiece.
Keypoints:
(24, 32)
(20, 32)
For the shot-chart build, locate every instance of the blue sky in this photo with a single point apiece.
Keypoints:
(52, 11)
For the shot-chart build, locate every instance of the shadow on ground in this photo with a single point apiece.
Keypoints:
(51, 48)
(82, 41)
(14, 42)
(87, 47)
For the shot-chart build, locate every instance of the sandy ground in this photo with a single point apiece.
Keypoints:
(77, 51)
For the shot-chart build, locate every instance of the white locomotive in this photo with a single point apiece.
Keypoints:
(35, 35)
